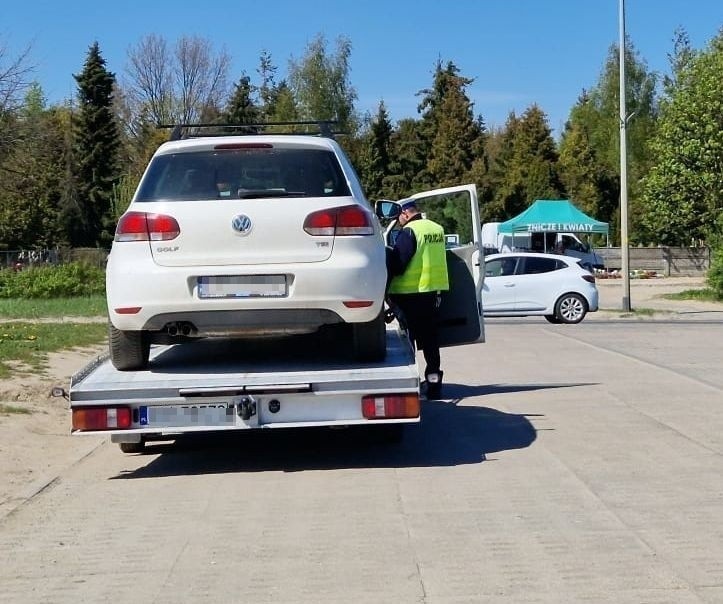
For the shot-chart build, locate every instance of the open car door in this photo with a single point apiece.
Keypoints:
(457, 210)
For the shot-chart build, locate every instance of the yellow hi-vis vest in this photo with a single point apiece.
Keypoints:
(427, 270)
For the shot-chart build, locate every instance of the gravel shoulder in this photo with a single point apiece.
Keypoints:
(647, 295)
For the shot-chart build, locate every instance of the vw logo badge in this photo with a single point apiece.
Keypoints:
(241, 224)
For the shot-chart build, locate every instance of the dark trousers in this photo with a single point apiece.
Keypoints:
(420, 315)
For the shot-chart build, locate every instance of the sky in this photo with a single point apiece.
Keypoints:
(518, 52)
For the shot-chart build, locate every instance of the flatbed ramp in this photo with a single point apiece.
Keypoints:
(218, 385)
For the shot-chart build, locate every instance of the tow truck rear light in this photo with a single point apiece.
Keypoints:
(142, 226)
(390, 406)
(342, 221)
(101, 418)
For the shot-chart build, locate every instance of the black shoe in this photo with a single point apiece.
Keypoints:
(434, 384)
(434, 391)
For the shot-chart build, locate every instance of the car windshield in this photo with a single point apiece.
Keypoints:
(243, 174)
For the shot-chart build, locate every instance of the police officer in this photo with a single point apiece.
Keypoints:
(417, 265)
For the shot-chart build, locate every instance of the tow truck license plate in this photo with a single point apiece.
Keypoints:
(212, 414)
(242, 286)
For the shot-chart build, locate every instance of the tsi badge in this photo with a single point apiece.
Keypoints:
(242, 224)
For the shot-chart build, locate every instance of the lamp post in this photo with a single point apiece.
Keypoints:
(625, 257)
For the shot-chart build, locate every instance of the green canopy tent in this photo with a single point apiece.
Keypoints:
(552, 216)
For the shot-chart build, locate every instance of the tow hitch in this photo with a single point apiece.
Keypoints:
(246, 408)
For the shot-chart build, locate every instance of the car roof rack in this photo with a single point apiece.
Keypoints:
(184, 131)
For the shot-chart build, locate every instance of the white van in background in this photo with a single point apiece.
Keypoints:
(567, 243)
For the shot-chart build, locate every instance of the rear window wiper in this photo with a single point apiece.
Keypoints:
(256, 193)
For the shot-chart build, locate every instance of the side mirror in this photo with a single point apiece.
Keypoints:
(387, 209)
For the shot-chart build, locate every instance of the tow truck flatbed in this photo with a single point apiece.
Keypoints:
(220, 385)
(226, 385)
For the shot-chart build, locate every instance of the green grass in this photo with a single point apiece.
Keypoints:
(706, 295)
(644, 311)
(24, 346)
(12, 409)
(24, 308)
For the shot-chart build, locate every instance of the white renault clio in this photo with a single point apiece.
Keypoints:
(246, 236)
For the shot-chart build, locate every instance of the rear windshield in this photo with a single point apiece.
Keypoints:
(243, 174)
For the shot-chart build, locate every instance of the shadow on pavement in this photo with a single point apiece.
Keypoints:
(448, 435)
(457, 392)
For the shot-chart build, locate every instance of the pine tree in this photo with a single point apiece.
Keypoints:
(452, 145)
(267, 88)
(526, 166)
(88, 218)
(372, 160)
(241, 108)
(281, 107)
(407, 159)
(449, 122)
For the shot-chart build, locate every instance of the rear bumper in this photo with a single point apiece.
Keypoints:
(316, 296)
(137, 435)
(246, 323)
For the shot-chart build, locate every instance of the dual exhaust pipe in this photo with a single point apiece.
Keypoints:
(181, 328)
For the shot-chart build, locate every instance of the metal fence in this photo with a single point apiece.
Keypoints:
(667, 261)
(20, 259)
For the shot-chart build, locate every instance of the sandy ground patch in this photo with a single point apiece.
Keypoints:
(37, 445)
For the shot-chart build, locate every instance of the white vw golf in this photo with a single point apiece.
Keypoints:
(246, 236)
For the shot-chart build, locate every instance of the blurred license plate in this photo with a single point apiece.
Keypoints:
(236, 286)
(213, 414)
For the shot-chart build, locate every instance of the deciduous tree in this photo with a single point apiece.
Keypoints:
(321, 84)
(596, 114)
(32, 175)
(683, 193)
(186, 84)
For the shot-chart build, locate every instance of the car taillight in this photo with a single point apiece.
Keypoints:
(101, 418)
(321, 223)
(353, 220)
(589, 278)
(390, 406)
(234, 146)
(141, 226)
(346, 220)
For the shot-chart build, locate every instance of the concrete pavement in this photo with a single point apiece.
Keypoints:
(567, 463)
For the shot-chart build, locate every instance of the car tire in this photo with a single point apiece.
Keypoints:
(129, 350)
(570, 308)
(369, 340)
(553, 319)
